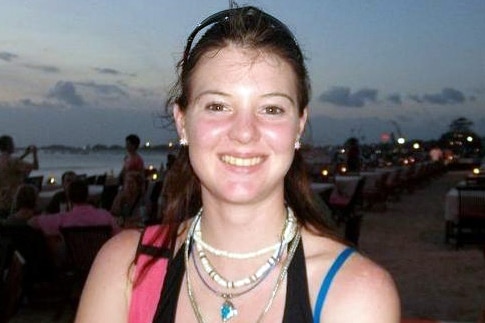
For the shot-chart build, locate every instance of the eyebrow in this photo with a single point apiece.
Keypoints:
(279, 94)
(267, 95)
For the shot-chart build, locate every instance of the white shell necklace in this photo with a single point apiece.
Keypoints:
(288, 234)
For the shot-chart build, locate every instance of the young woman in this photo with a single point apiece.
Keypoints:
(243, 240)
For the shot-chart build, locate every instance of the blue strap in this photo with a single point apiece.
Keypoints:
(322, 294)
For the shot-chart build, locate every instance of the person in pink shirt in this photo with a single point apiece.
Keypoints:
(132, 161)
(82, 213)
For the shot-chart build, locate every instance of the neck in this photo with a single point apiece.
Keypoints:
(242, 229)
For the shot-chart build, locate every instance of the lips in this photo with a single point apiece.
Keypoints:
(241, 162)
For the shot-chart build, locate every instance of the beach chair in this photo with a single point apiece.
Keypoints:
(82, 244)
(376, 194)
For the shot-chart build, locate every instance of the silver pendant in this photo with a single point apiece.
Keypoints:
(228, 310)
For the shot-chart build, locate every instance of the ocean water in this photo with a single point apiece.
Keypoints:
(53, 164)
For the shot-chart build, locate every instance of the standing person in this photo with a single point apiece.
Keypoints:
(243, 239)
(353, 155)
(132, 161)
(13, 171)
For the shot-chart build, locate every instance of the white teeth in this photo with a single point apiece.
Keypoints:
(242, 162)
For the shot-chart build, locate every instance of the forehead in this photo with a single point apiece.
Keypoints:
(237, 66)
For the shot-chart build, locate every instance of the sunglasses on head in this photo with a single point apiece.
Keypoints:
(225, 14)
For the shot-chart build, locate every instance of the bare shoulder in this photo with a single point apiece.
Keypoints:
(108, 288)
(361, 291)
(120, 246)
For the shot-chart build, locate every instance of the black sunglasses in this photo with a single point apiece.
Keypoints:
(225, 14)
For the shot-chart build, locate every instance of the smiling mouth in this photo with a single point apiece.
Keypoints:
(242, 162)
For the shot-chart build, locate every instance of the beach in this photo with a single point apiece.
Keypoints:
(434, 280)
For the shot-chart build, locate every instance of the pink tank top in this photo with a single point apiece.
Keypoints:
(146, 292)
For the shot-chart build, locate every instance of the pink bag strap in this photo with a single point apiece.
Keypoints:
(148, 281)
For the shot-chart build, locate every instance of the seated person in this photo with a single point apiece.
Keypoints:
(129, 205)
(59, 202)
(25, 202)
(82, 213)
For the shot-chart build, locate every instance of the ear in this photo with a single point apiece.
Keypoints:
(302, 122)
(179, 117)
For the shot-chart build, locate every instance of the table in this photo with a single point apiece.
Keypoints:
(451, 203)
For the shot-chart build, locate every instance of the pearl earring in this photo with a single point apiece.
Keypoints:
(297, 144)
(183, 142)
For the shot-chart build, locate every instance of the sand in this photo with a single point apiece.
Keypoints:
(434, 280)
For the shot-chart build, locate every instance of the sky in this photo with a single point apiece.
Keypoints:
(86, 72)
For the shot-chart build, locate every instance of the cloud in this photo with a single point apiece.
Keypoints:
(29, 103)
(7, 57)
(66, 92)
(395, 98)
(446, 96)
(343, 97)
(43, 68)
(110, 71)
(105, 89)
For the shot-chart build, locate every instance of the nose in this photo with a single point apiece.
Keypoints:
(244, 127)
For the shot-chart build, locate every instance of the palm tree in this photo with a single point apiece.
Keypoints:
(461, 140)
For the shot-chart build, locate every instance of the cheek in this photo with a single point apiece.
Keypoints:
(281, 138)
(204, 133)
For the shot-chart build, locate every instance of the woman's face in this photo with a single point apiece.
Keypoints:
(241, 124)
